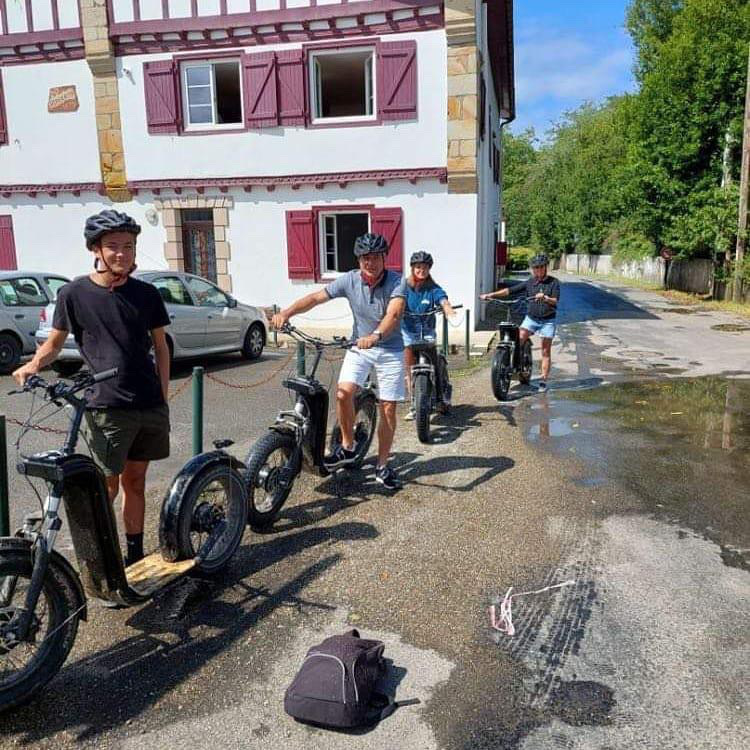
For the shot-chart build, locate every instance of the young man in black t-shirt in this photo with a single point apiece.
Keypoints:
(115, 319)
(543, 292)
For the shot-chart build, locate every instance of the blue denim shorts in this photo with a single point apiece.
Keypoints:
(545, 328)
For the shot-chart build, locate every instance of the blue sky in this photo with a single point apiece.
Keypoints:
(568, 52)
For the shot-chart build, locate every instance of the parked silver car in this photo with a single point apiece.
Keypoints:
(205, 320)
(23, 297)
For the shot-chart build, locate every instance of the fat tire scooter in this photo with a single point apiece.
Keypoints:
(296, 440)
(430, 381)
(510, 357)
(42, 597)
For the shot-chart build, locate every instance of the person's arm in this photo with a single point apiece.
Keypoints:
(447, 308)
(161, 352)
(45, 354)
(302, 305)
(387, 325)
(504, 292)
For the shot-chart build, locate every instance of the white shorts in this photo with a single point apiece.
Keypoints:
(389, 369)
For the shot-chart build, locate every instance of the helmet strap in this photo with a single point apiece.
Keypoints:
(115, 277)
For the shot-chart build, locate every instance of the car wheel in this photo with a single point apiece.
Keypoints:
(66, 369)
(10, 353)
(252, 347)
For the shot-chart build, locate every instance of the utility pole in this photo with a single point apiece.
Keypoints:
(744, 190)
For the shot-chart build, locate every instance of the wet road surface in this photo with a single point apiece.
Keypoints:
(601, 481)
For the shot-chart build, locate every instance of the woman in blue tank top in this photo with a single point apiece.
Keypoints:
(422, 295)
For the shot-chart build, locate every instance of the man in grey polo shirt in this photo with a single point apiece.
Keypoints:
(377, 298)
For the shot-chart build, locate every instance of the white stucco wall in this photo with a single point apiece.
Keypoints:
(291, 150)
(48, 234)
(48, 147)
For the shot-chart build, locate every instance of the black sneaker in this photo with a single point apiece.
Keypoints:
(541, 386)
(339, 457)
(388, 479)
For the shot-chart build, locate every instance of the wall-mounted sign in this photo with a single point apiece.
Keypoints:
(62, 99)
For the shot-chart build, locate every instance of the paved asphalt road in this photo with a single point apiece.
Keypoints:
(628, 478)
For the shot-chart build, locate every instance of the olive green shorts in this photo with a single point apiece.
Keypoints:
(119, 435)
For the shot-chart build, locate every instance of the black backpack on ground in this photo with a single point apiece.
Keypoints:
(335, 686)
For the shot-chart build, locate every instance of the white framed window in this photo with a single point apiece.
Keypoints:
(337, 232)
(212, 94)
(342, 85)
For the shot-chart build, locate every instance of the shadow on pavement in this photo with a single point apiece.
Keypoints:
(139, 671)
(410, 468)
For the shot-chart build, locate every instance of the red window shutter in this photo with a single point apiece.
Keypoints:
(291, 77)
(3, 119)
(161, 87)
(7, 245)
(259, 90)
(300, 244)
(389, 222)
(397, 80)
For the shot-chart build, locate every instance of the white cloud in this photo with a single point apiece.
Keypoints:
(557, 70)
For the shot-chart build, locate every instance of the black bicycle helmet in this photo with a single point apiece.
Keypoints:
(421, 257)
(370, 243)
(539, 260)
(108, 221)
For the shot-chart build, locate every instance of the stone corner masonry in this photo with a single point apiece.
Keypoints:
(463, 83)
(101, 60)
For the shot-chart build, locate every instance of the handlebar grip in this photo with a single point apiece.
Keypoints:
(104, 375)
(456, 307)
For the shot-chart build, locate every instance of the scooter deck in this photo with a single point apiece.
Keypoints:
(154, 572)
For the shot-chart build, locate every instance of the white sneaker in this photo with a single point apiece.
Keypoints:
(410, 416)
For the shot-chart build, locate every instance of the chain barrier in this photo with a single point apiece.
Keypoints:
(37, 427)
(180, 388)
(262, 381)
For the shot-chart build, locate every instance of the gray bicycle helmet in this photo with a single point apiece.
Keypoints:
(539, 260)
(108, 221)
(370, 243)
(421, 256)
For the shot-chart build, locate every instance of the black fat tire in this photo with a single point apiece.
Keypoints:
(66, 369)
(252, 346)
(256, 459)
(223, 550)
(10, 353)
(527, 363)
(501, 373)
(61, 594)
(365, 424)
(423, 406)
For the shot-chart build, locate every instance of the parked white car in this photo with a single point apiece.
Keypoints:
(23, 296)
(205, 320)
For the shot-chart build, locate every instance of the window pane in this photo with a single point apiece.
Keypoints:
(228, 92)
(348, 228)
(207, 294)
(54, 283)
(201, 114)
(343, 84)
(199, 95)
(172, 291)
(23, 292)
(199, 75)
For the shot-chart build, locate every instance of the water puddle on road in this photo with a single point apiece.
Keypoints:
(682, 446)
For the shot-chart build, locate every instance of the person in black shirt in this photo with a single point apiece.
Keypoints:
(115, 320)
(543, 292)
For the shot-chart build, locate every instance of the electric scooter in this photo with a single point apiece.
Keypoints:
(430, 383)
(296, 440)
(511, 357)
(42, 597)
